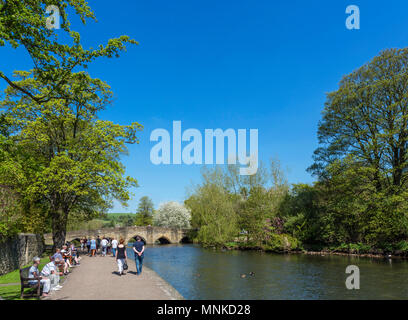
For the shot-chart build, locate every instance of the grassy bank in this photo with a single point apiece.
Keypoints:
(285, 244)
(12, 292)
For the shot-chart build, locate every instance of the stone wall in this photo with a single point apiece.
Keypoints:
(19, 251)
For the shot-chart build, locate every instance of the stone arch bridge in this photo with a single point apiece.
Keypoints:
(150, 235)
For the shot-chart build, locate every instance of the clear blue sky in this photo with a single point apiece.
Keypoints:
(229, 64)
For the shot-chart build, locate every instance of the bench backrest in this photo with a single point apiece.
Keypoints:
(24, 273)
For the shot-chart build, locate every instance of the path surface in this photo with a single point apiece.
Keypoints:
(97, 279)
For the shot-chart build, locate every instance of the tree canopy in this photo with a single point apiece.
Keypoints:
(57, 154)
(145, 211)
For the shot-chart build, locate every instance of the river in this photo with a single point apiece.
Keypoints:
(199, 273)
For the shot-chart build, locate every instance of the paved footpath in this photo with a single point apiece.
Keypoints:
(97, 279)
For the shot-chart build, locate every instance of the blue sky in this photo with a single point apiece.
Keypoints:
(256, 64)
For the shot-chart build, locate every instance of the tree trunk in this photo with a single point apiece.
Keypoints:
(59, 228)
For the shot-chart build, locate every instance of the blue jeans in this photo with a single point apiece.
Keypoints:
(139, 262)
(114, 251)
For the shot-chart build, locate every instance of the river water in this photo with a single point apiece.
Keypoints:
(199, 273)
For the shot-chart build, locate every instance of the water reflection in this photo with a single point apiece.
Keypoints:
(199, 273)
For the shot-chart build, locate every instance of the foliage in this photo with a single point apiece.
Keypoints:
(281, 243)
(172, 214)
(109, 220)
(227, 206)
(60, 156)
(212, 211)
(23, 24)
(10, 213)
(145, 211)
(362, 159)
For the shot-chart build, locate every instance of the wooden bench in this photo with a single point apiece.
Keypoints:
(25, 284)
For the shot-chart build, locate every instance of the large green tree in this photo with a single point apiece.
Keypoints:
(59, 155)
(72, 158)
(362, 160)
(367, 117)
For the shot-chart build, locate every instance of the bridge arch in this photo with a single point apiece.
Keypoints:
(162, 240)
(185, 239)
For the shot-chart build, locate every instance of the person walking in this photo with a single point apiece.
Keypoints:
(104, 244)
(114, 246)
(121, 256)
(98, 244)
(138, 248)
(109, 246)
(93, 247)
(88, 244)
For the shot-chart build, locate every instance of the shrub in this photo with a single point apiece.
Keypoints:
(281, 243)
(172, 214)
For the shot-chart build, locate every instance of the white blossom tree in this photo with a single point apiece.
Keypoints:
(172, 214)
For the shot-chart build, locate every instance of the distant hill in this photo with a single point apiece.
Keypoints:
(111, 220)
(114, 215)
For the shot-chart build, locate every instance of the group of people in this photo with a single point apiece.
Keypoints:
(68, 256)
(59, 265)
(94, 245)
(106, 246)
(121, 255)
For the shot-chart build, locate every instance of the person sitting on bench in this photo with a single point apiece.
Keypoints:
(50, 271)
(58, 256)
(74, 254)
(34, 273)
(66, 254)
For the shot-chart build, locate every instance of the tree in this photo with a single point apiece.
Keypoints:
(23, 24)
(72, 158)
(126, 220)
(367, 117)
(62, 157)
(259, 214)
(172, 214)
(362, 160)
(255, 214)
(212, 211)
(144, 213)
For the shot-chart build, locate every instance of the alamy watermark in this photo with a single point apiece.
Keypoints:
(353, 20)
(193, 152)
(53, 20)
(353, 280)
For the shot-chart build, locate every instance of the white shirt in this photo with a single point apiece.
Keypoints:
(46, 271)
(114, 243)
(104, 242)
(31, 272)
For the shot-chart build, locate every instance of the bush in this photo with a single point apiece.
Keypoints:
(172, 214)
(282, 243)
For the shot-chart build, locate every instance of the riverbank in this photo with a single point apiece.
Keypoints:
(97, 279)
(379, 254)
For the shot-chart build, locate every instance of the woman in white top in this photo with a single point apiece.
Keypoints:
(114, 246)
